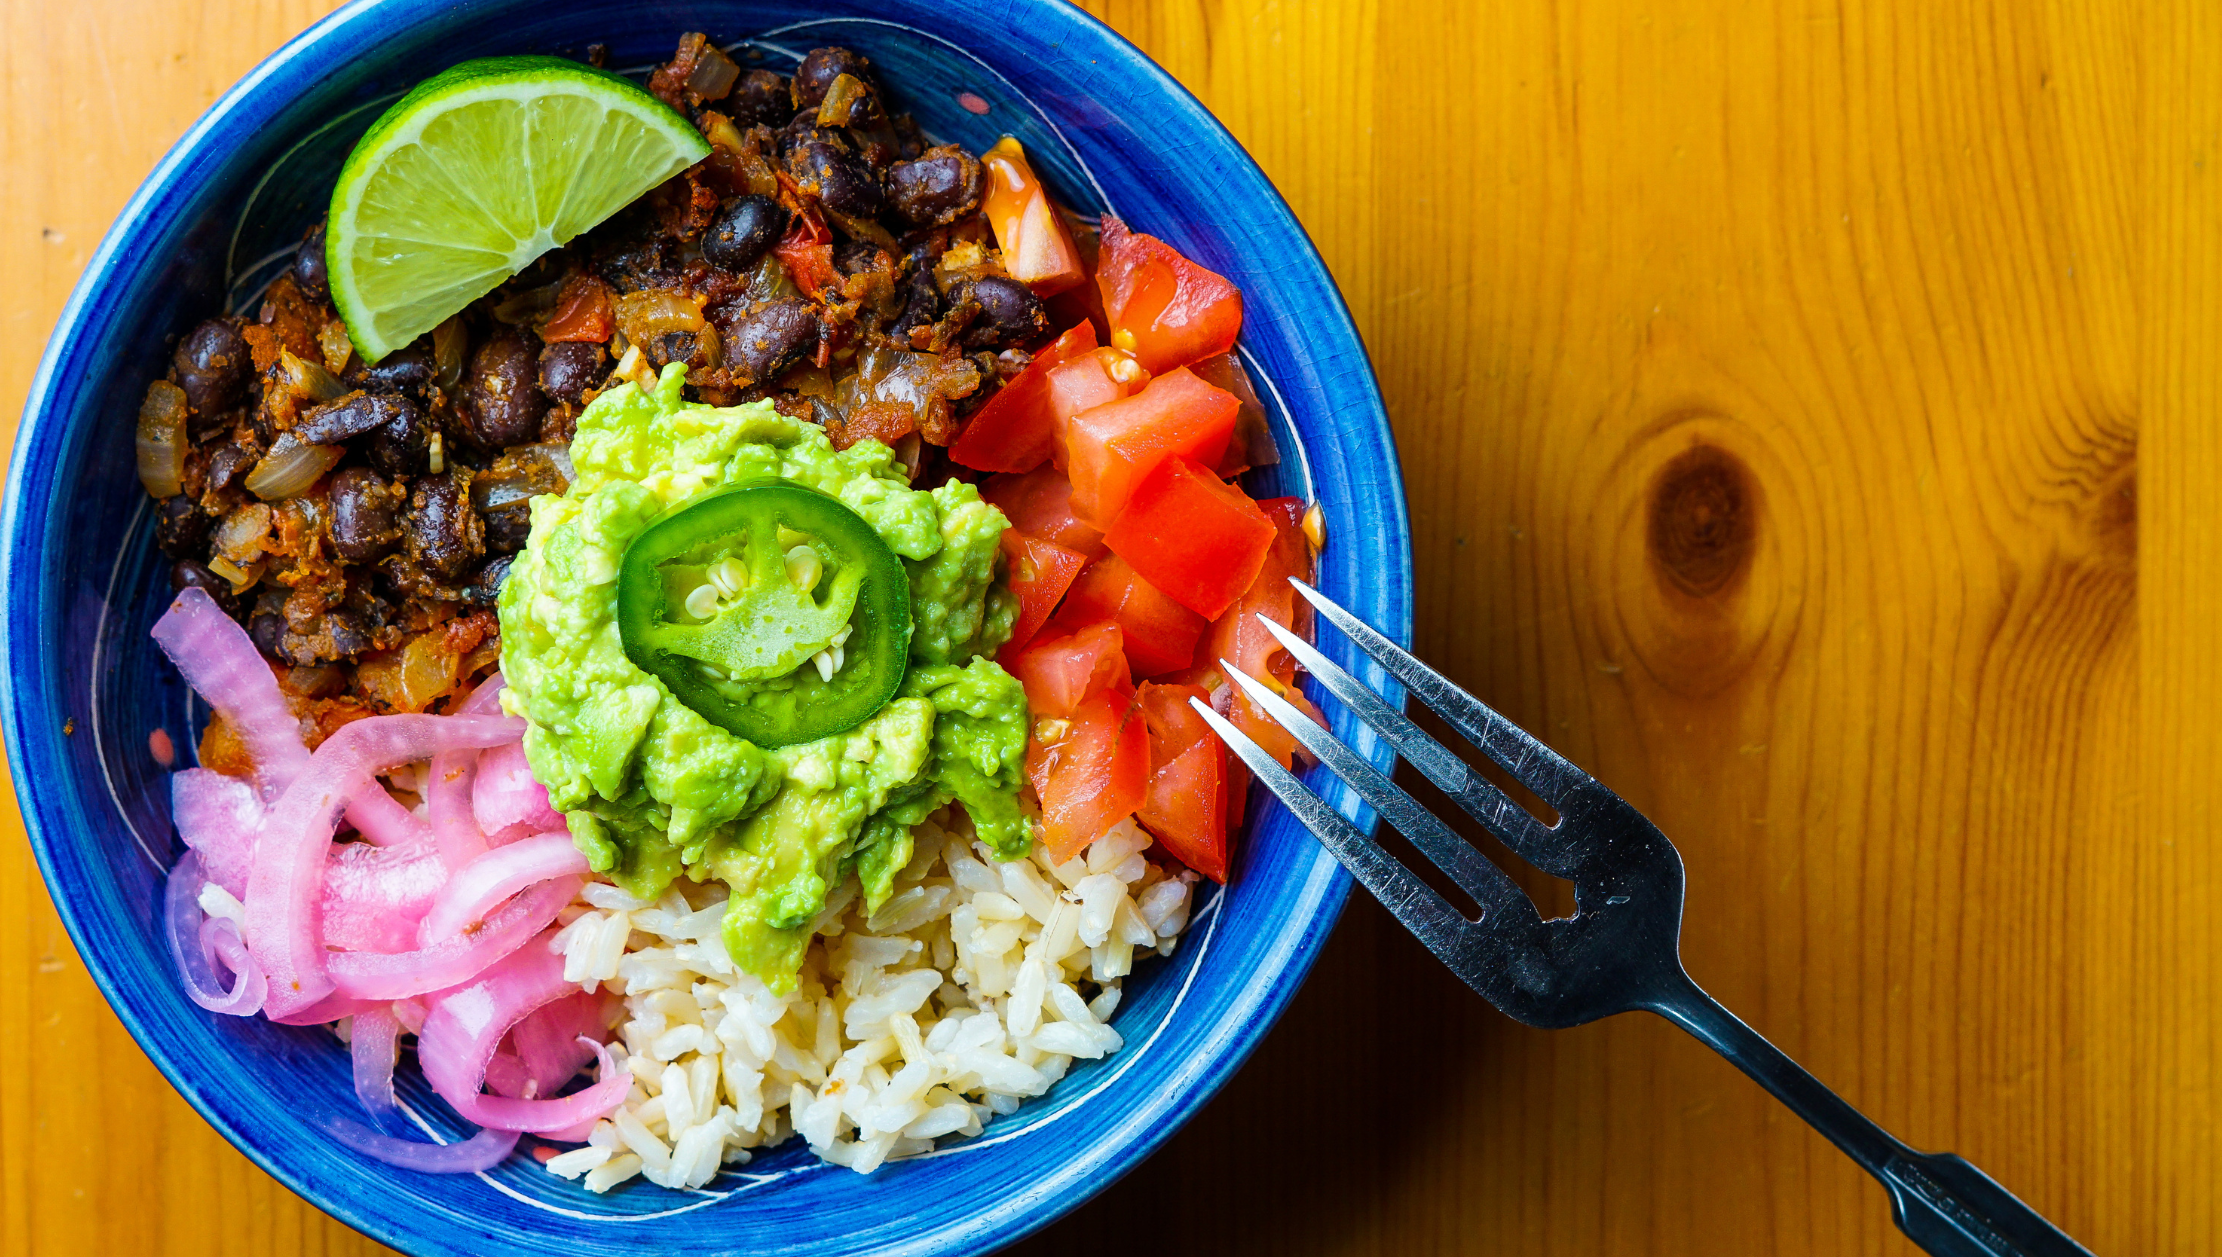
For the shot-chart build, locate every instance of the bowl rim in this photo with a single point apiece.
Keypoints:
(1194, 1086)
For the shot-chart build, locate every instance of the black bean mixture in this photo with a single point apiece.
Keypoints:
(359, 519)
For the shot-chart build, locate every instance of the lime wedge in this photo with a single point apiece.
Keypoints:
(476, 172)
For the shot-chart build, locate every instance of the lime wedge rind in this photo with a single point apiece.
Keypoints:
(478, 171)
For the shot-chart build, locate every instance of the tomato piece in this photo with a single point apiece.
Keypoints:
(1238, 637)
(1062, 671)
(1253, 432)
(1090, 380)
(1161, 634)
(1037, 250)
(1163, 308)
(582, 312)
(1093, 777)
(1110, 448)
(1193, 535)
(1039, 504)
(1039, 573)
(806, 250)
(1186, 806)
(1015, 429)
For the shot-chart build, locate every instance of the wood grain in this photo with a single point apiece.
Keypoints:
(1810, 415)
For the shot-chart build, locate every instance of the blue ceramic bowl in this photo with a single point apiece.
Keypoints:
(85, 690)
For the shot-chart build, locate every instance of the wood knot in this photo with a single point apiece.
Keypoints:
(1704, 520)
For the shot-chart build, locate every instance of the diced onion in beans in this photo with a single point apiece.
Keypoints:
(290, 468)
(161, 444)
(308, 379)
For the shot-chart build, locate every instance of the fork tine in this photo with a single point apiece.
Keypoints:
(1531, 763)
(1528, 837)
(1487, 883)
(1427, 914)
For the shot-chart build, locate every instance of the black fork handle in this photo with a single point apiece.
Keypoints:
(1941, 1202)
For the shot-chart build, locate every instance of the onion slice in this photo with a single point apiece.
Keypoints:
(506, 795)
(482, 1151)
(373, 1045)
(480, 886)
(191, 943)
(293, 850)
(222, 665)
(217, 817)
(468, 1023)
(397, 975)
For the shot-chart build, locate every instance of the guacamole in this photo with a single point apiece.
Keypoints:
(650, 787)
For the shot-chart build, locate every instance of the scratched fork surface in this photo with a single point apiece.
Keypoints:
(1619, 952)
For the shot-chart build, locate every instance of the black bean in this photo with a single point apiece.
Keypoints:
(858, 257)
(746, 228)
(821, 67)
(181, 527)
(410, 369)
(484, 587)
(193, 574)
(942, 186)
(267, 628)
(763, 343)
(229, 465)
(508, 528)
(681, 346)
(308, 265)
(502, 403)
(444, 531)
(349, 635)
(921, 303)
(760, 98)
(212, 367)
(569, 368)
(836, 177)
(1009, 312)
(366, 515)
(355, 414)
(403, 446)
(631, 263)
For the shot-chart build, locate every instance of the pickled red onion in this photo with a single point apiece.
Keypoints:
(373, 1045)
(190, 945)
(217, 817)
(482, 1151)
(467, 1024)
(222, 665)
(291, 851)
(478, 887)
(373, 897)
(506, 794)
(457, 959)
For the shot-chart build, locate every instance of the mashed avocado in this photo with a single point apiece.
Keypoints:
(653, 790)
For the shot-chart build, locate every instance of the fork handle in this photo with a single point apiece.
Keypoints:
(1940, 1201)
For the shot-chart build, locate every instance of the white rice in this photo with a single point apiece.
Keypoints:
(960, 998)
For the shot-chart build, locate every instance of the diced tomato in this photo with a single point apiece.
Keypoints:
(1163, 308)
(1093, 777)
(1063, 670)
(582, 312)
(1037, 250)
(806, 250)
(1110, 448)
(1039, 572)
(1251, 428)
(1186, 807)
(1090, 380)
(1238, 637)
(1193, 535)
(1015, 429)
(1161, 634)
(1039, 504)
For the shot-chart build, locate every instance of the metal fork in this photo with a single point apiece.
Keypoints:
(1620, 951)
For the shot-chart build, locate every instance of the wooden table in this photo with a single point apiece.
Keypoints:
(1812, 415)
